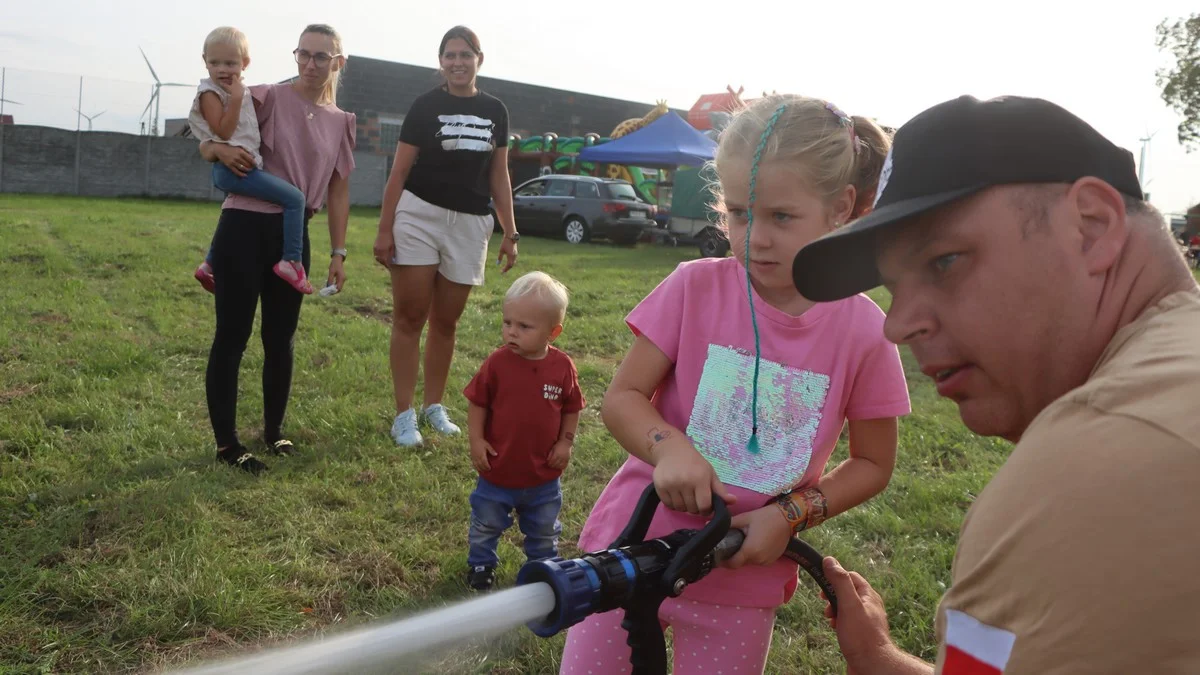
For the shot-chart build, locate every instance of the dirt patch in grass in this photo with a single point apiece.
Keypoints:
(376, 312)
(20, 391)
(49, 318)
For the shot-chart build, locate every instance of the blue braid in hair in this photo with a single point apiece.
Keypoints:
(752, 446)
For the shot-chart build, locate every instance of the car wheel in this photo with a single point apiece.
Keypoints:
(713, 245)
(575, 231)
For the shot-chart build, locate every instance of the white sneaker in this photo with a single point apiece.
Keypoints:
(404, 429)
(435, 415)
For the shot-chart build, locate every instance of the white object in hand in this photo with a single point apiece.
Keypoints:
(328, 290)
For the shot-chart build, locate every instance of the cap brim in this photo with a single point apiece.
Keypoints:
(842, 263)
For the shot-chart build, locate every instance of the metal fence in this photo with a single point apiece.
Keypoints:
(45, 146)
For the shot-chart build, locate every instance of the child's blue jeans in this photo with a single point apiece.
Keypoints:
(491, 514)
(262, 185)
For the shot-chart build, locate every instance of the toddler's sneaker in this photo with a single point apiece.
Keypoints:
(205, 276)
(435, 415)
(481, 577)
(404, 429)
(293, 273)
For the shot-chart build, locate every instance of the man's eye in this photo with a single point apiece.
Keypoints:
(942, 263)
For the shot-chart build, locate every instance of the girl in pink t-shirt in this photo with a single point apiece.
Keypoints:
(737, 385)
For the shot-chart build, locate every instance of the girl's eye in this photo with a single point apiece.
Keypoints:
(781, 217)
(737, 214)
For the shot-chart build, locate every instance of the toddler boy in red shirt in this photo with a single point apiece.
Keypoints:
(524, 410)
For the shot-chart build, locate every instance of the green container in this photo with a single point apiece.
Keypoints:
(692, 195)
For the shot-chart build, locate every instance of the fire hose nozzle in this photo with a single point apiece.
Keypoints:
(576, 592)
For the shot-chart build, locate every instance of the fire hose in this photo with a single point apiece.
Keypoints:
(636, 576)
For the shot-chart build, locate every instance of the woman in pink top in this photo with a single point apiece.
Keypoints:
(737, 385)
(309, 142)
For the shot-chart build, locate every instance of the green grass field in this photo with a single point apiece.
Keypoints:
(125, 547)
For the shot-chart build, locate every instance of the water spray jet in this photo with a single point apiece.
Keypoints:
(633, 574)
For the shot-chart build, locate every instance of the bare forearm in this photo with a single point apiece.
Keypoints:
(502, 197)
(476, 420)
(867, 472)
(208, 151)
(229, 118)
(339, 214)
(851, 483)
(391, 197)
(893, 661)
(636, 424)
(570, 424)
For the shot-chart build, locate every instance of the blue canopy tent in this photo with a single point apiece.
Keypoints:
(667, 142)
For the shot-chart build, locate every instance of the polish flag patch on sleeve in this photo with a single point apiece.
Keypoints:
(975, 648)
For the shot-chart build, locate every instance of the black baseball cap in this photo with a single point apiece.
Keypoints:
(951, 151)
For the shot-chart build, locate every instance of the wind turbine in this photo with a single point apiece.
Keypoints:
(1142, 162)
(154, 95)
(89, 119)
(2, 102)
(3, 78)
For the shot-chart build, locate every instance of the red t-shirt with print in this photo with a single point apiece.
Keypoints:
(525, 400)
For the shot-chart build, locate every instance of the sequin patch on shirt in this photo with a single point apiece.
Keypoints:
(790, 404)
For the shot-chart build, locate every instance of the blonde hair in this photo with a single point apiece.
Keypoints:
(228, 35)
(545, 288)
(329, 93)
(830, 148)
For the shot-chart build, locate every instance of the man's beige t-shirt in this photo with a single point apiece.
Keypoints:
(1082, 555)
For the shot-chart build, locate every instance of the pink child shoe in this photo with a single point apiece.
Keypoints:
(293, 273)
(205, 276)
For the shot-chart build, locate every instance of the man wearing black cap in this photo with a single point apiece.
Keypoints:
(1043, 295)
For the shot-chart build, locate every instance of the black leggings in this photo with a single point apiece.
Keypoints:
(245, 248)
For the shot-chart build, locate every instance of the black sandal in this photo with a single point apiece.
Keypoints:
(238, 456)
(282, 448)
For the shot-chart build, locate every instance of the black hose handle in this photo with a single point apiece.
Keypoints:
(639, 523)
(718, 538)
(798, 551)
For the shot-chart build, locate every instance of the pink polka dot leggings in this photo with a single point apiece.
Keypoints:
(709, 639)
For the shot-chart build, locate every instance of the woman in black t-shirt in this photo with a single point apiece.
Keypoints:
(435, 224)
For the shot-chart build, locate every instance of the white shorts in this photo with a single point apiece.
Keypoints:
(456, 242)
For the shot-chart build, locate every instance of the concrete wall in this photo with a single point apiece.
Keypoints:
(107, 164)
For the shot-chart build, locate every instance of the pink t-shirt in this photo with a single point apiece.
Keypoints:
(818, 370)
(302, 143)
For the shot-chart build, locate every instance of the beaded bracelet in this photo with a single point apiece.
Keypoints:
(803, 510)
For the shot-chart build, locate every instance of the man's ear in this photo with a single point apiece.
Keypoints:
(1103, 225)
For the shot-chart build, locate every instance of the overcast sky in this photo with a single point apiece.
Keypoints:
(889, 60)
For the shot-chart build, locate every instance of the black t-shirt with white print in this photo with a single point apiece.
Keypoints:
(455, 137)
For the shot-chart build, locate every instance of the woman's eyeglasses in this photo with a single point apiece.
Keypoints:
(320, 58)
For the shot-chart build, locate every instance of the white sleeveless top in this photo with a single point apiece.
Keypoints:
(246, 135)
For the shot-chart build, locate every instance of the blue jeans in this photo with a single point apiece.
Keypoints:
(269, 188)
(491, 514)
